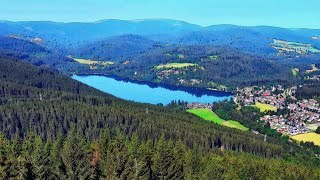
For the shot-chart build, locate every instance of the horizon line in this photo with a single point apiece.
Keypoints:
(159, 19)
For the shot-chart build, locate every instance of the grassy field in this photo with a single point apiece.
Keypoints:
(312, 127)
(175, 65)
(180, 56)
(209, 115)
(313, 69)
(287, 46)
(214, 57)
(294, 72)
(93, 62)
(206, 114)
(235, 124)
(310, 137)
(264, 107)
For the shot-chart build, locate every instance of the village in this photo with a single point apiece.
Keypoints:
(301, 116)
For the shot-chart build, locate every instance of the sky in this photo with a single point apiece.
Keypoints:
(282, 13)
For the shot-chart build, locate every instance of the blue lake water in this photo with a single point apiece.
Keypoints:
(150, 92)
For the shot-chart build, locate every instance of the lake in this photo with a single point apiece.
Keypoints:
(151, 92)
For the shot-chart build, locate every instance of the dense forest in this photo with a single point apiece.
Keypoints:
(116, 49)
(224, 56)
(113, 156)
(308, 91)
(213, 66)
(58, 128)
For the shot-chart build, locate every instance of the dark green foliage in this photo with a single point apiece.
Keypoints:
(75, 156)
(318, 130)
(248, 116)
(163, 160)
(75, 131)
(232, 68)
(119, 48)
(308, 91)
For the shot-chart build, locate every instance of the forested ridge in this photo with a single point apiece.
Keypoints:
(55, 127)
(214, 65)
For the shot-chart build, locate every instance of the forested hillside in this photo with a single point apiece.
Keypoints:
(116, 49)
(55, 126)
(37, 54)
(222, 57)
(211, 66)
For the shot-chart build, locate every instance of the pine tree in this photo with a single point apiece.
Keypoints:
(145, 158)
(121, 164)
(57, 166)
(133, 148)
(40, 159)
(179, 163)
(95, 167)
(4, 148)
(318, 130)
(16, 161)
(105, 154)
(75, 156)
(163, 159)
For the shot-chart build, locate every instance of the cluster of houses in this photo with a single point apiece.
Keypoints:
(250, 95)
(313, 77)
(285, 125)
(302, 113)
(307, 110)
(196, 105)
(166, 73)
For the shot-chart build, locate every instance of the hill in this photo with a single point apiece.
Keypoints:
(260, 55)
(53, 122)
(119, 48)
(255, 39)
(202, 66)
(73, 34)
(36, 53)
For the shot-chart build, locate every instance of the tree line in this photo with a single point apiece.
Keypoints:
(113, 156)
(63, 130)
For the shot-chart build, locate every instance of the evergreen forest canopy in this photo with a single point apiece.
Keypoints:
(54, 127)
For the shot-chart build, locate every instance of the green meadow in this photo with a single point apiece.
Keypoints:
(264, 107)
(93, 62)
(175, 65)
(209, 115)
(294, 72)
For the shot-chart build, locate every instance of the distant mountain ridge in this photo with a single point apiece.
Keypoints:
(256, 39)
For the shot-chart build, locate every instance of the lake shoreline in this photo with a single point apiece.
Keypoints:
(153, 93)
(155, 85)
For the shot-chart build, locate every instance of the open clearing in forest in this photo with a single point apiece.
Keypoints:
(313, 69)
(235, 124)
(264, 107)
(295, 71)
(309, 137)
(180, 56)
(209, 115)
(175, 65)
(214, 57)
(93, 62)
(295, 47)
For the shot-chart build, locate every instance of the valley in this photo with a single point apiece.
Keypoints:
(158, 99)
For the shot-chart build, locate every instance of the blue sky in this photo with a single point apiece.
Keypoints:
(283, 13)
